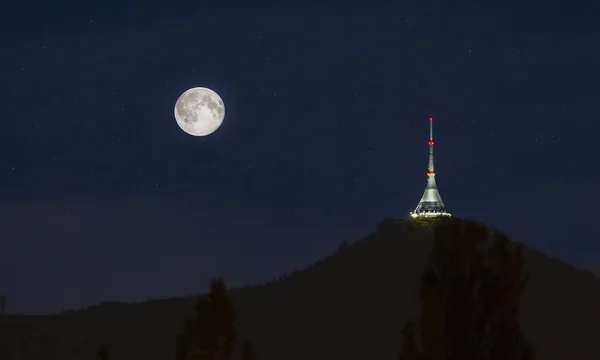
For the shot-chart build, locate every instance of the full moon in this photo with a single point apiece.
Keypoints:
(199, 111)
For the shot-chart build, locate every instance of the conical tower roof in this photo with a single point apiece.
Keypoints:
(431, 204)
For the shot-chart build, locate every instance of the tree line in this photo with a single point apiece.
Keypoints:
(470, 295)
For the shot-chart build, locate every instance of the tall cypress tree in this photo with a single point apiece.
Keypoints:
(211, 333)
(470, 295)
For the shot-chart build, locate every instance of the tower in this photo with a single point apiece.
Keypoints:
(431, 204)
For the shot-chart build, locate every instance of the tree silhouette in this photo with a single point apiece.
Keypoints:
(470, 295)
(248, 351)
(211, 334)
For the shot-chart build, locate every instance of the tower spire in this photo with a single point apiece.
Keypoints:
(430, 168)
(431, 204)
(430, 128)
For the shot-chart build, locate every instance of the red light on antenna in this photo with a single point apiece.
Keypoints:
(431, 142)
(430, 118)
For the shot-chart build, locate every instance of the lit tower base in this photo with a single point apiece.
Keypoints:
(431, 205)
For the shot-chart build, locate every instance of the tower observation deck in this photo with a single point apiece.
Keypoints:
(431, 204)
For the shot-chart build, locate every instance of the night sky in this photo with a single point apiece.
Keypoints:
(103, 197)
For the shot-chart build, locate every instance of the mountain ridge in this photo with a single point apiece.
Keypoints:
(352, 304)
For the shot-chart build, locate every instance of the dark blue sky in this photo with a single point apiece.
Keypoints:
(103, 197)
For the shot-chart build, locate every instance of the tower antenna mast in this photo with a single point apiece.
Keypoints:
(430, 128)
(431, 204)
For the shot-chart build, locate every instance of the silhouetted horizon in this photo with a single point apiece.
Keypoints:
(194, 287)
(387, 261)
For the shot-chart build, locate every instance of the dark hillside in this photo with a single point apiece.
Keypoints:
(350, 306)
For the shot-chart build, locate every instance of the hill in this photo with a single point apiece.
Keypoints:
(350, 306)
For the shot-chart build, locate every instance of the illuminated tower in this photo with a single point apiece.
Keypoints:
(431, 204)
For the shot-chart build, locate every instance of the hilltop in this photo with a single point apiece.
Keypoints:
(350, 306)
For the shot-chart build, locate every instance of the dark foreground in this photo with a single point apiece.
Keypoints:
(350, 306)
